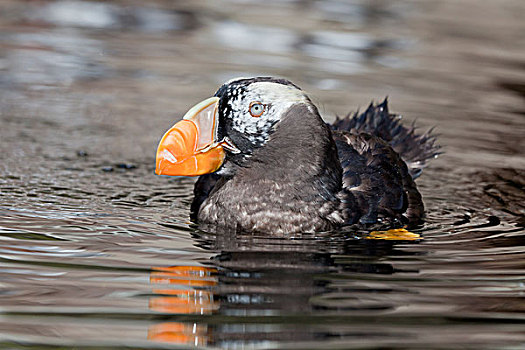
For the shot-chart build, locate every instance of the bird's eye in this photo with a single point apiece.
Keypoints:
(257, 109)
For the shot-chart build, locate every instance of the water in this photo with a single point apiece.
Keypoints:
(97, 252)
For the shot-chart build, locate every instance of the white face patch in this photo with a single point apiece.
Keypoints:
(277, 98)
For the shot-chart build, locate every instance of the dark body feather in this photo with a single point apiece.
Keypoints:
(377, 185)
(290, 185)
(311, 176)
(324, 181)
(376, 120)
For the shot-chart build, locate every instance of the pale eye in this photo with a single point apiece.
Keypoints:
(257, 109)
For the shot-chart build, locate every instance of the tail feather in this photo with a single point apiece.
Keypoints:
(376, 120)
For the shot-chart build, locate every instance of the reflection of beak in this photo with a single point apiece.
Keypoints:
(190, 147)
(179, 333)
(190, 296)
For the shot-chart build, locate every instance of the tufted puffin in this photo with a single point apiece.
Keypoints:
(268, 163)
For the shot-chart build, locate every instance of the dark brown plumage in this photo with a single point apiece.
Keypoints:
(295, 173)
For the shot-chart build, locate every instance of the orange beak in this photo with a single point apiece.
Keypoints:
(190, 147)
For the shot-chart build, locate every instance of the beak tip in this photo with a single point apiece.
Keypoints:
(159, 169)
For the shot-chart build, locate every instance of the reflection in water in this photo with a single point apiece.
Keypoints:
(267, 280)
(179, 333)
(322, 290)
(185, 301)
(186, 298)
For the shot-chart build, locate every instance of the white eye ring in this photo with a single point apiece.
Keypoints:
(257, 109)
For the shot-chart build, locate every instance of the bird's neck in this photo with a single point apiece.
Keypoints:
(301, 151)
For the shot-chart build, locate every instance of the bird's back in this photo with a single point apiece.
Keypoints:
(416, 150)
(381, 158)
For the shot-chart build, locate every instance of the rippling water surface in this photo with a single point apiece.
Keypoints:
(97, 252)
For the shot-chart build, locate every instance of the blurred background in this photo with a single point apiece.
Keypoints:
(97, 251)
(105, 72)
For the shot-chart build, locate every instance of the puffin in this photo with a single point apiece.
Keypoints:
(268, 163)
